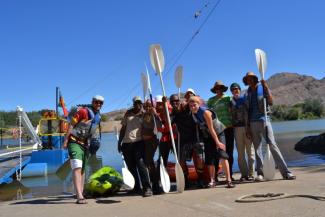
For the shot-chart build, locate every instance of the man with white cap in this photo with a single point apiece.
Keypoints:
(83, 126)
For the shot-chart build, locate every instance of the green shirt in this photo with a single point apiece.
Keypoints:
(221, 107)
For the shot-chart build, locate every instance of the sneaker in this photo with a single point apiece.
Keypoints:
(211, 184)
(289, 176)
(147, 192)
(243, 178)
(250, 178)
(259, 178)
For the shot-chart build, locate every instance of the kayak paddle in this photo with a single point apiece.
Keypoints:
(128, 178)
(158, 62)
(268, 165)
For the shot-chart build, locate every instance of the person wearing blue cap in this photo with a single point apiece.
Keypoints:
(243, 142)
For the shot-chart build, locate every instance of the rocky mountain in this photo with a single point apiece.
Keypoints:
(292, 88)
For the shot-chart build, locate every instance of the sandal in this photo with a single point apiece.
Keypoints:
(211, 185)
(81, 201)
(230, 184)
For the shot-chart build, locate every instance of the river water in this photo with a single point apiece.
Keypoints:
(287, 135)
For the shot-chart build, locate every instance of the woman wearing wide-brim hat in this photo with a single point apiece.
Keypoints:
(220, 104)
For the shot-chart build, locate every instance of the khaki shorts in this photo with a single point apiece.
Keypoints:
(78, 156)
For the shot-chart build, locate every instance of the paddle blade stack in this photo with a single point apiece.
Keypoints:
(144, 85)
(179, 76)
(261, 61)
(157, 58)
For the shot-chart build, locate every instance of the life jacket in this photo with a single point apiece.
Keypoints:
(85, 130)
(238, 111)
(199, 119)
(260, 96)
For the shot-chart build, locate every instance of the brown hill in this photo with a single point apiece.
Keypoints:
(292, 88)
(113, 120)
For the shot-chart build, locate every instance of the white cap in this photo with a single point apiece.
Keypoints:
(190, 90)
(98, 98)
(137, 99)
(158, 98)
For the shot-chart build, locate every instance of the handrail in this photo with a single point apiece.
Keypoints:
(17, 151)
(28, 125)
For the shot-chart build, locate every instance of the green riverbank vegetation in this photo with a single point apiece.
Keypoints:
(310, 109)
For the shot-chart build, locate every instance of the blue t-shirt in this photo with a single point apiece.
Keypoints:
(255, 114)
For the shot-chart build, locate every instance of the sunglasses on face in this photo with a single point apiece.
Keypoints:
(233, 89)
(176, 100)
(99, 102)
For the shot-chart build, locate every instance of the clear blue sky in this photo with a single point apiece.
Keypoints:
(99, 47)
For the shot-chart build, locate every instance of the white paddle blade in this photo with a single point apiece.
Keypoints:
(144, 84)
(157, 58)
(164, 177)
(128, 179)
(261, 61)
(180, 181)
(268, 165)
(179, 76)
(148, 78)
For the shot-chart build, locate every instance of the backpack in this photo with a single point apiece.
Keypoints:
(94, 141)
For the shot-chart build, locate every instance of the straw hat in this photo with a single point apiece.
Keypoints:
(219, 84)
(249, 74)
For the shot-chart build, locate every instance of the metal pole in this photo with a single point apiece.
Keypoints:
(56, 101)
(20, 153)
(1, 136)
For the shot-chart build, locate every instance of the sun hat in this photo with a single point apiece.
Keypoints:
(249, 74)
(219, 84)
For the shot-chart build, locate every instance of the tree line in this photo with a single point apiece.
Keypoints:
(310, 109)
(10, 119)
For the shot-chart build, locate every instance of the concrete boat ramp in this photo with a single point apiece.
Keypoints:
(218, 201)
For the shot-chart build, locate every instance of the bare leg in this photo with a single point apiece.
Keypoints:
(225, 166)
(211, 170)
(77, 182)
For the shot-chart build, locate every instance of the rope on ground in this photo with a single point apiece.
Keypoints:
(251, 198)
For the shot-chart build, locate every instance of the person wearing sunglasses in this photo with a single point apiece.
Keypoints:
(241, 128)
(188, 142)
(82, 129)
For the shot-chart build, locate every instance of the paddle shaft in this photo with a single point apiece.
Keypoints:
(168, 119)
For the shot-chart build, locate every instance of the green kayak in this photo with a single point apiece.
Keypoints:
(104, 182)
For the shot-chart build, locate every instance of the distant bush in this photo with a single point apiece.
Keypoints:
(118, 118)
(310, 109)
(313, 106)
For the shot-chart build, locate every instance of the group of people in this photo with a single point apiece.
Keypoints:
(204, 132)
